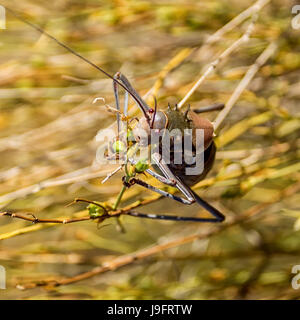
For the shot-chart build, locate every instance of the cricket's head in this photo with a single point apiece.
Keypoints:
(156, 120)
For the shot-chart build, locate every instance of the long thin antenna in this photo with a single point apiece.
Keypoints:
(37, 28)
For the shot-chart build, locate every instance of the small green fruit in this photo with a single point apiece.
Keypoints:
(141, 166)
(95, 211)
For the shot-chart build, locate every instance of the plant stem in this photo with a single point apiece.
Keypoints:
(115, 206)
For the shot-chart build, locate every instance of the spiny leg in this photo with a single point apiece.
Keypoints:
(162, 179)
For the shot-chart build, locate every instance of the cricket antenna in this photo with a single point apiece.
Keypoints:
(48, 35)
(154, 114)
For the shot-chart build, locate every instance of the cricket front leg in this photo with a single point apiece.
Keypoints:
(126, 98)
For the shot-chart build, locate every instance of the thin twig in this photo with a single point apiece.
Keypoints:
(108, 214)
(145, 253)
(244, 38)
(31, 218)
(258, 169)
(186, 52)
(83, 174)
(256, 7)
(261, 60)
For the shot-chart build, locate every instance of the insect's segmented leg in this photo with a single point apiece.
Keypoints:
(171, 196)
(188, 192)
(159, 191)
(125, 110)
(213, 107)
(219, 217)
(162, 179)
(116, 92)
(157, 176)
(169, 217)
(169, 175)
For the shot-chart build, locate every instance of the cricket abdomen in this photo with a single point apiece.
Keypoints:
(180, 169)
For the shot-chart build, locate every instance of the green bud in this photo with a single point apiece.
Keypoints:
(95, 211)
(141, 166)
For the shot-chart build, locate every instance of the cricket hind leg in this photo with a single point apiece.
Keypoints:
(169, 217)
(148, 186)
(218, 216)
(188, 192)
(190, 195)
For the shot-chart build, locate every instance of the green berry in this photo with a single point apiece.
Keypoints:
(141, 166)
(95, 211)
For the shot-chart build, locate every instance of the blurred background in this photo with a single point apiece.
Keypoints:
(48, 125)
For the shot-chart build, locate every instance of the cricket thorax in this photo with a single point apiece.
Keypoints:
(190, 120)
(190, 180)
(178, 120)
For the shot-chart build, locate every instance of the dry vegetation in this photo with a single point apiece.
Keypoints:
(47, 144)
